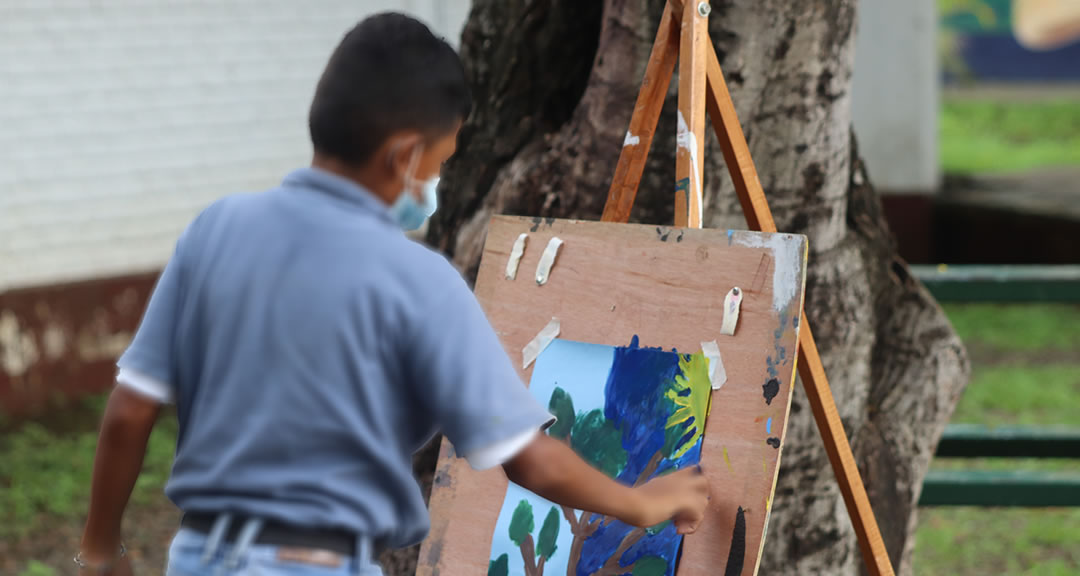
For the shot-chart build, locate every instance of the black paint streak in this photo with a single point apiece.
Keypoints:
(550, 222)
(774, 442)
(738, 546)
(536, 224)
(771, 389)
(663, 234)
(679, 238)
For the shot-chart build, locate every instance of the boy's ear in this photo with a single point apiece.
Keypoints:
(397, 150)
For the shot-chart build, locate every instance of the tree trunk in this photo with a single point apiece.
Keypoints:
(554, 85)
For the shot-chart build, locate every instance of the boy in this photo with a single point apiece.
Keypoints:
(311, 349)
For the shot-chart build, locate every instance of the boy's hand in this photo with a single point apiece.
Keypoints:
(680, 496)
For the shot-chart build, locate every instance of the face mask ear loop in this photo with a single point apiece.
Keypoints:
(410, 172)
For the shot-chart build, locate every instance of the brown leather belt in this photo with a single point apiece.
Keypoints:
(272, 533)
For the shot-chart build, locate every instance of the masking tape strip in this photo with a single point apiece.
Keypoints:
(732, 303)
(547, 260)
(717, 374)
(515, 256)
(541, 341)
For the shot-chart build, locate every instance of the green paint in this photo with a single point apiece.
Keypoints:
(549, 533)
(596, 440)
(650, 566)
(499, 566)
(561, 407)
(521, 523)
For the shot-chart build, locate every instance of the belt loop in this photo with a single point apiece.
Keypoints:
(243, 542)
(217, 535)
(365, 563)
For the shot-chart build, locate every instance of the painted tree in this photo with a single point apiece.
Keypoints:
(655, 405)
(533, 554)
(499, 566)
(554, 84)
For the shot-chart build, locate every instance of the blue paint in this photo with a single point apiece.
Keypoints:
(779, 357)
(768, 426)
(730, 233)
(629, 385)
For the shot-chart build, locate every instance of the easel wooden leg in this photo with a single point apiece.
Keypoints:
(639, 136)
(690, 149)
(759, 217)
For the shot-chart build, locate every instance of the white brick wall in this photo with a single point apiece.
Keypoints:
(121, 119)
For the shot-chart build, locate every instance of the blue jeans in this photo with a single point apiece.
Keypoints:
(195, 554)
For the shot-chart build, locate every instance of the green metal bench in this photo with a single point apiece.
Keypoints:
(992, 488)
(966, 487)
(1001, 283)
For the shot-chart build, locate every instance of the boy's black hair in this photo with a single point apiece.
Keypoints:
(389, 73)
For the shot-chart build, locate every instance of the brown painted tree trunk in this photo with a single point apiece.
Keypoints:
(554, 84)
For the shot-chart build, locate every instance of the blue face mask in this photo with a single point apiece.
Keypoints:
(409, 212)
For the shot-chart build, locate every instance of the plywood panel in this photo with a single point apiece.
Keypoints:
(667, 286)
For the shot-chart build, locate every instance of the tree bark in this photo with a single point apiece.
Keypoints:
(554, 85)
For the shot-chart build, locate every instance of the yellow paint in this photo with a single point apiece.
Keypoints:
(765, 466)
(768, 504)
(695, 405)
(728, 460)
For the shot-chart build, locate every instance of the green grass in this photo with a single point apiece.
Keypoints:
(1020, 328)
(45, 470)
(1027, 395)
(985, 136)
(1011, 384)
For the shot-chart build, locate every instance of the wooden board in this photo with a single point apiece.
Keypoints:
(667, 286)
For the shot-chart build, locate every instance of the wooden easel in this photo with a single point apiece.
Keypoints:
(683, 33)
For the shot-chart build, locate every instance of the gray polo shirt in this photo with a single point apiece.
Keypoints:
(311, 348)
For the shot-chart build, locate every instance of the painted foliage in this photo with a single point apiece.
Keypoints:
(633, 413)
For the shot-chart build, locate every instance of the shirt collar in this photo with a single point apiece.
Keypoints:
(339, 187)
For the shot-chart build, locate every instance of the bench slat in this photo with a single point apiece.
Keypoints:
(974, 441)
(972, 283)
(986, 488)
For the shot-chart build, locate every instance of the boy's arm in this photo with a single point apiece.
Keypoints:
(550, 469)
(143, 385)
(125, 429)
(459, 370)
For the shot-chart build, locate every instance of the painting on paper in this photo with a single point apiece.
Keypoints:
(633, 413)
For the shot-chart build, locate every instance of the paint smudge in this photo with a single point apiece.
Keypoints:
(771, 389)
(774, 442)
(728, 460)
(685, 138)
(684, 187)
(631, 140)
(536, 224)
(738, 546)
(768, 426)
(662, 233)
(730, 233)
(787, 252)
(679, 238)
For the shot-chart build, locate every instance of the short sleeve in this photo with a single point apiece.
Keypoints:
(151, 352)
(459, 369)
(145, 386)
